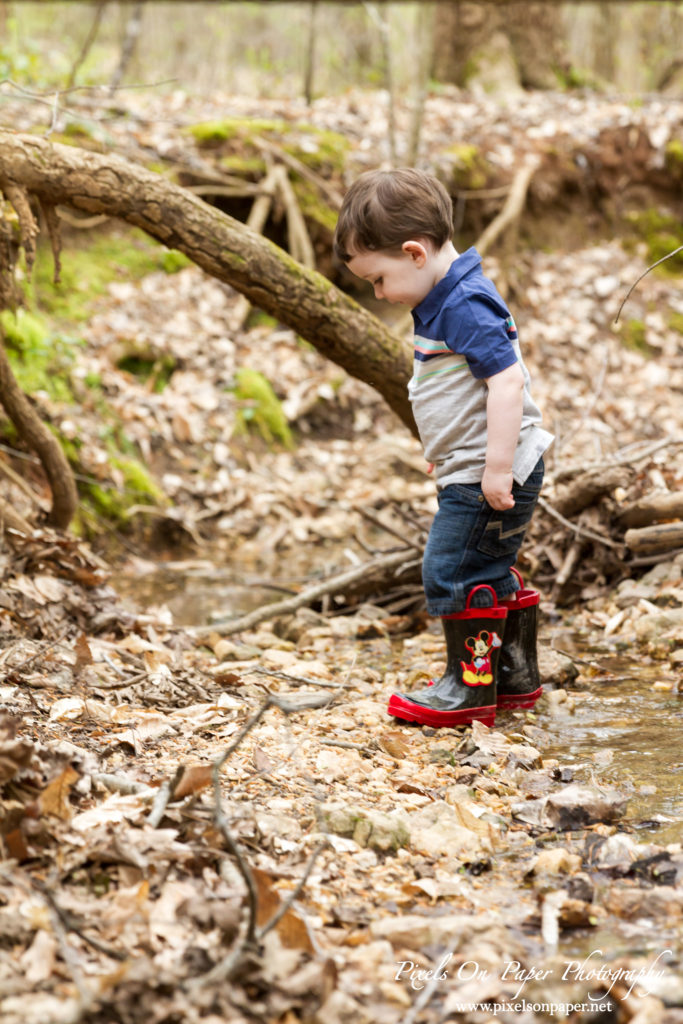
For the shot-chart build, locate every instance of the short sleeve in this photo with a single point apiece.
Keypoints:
(479, 330)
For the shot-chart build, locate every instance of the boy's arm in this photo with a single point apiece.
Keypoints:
(503, 423)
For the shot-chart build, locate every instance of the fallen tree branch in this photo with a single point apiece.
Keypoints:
(333, 585)
(654, 539)
(514, 205)
(652, 507)
(307, 302)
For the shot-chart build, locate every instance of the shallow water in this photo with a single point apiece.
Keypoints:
(624, 732)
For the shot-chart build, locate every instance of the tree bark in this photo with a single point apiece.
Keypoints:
(42, 442)
(464, 30)
(302, 299)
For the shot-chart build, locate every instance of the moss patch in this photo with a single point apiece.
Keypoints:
(40, 359)
(662, 233)
(90, 264)
(260, 408)
(633, 334)
(470, 169)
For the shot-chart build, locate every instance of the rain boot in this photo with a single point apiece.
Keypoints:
(519, 682)
(467, 690)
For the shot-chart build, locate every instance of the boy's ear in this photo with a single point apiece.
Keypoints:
(416, 250)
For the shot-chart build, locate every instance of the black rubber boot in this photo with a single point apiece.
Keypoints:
(467, 690)
(519, 681)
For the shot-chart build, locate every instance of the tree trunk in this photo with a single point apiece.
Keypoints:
(468, 35)
(300, 298)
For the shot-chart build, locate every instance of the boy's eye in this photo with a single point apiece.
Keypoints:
(378, 281)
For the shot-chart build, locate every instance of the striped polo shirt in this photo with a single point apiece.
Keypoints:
(464, 333)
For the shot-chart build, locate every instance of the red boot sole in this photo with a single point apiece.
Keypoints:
(400, 707)
(512, 701)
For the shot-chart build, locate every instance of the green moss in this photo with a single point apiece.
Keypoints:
(313, 206)
(88, 266)
(260, 408)
(155, 371)
(213, 133)
(322, 151)
(248, 166)
(40, 360)
(172, 261)
(673, 156)
(676, 322)
(662, 233)
(470, 167)
(633, 334)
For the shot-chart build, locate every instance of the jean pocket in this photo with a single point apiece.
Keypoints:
(469, 495)
(504, 531)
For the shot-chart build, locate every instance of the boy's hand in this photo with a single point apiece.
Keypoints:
(497, 489)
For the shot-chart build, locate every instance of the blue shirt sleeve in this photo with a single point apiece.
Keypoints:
(478, 330)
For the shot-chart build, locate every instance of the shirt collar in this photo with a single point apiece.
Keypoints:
(433, 302)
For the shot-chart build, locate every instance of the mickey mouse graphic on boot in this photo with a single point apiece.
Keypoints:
(479, 671)
(466, 691)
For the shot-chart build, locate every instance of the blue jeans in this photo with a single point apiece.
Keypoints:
(470, 543)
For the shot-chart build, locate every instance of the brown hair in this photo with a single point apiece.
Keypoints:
(384, 209)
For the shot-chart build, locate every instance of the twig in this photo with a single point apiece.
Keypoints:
(297, 680)
(389, 529)
(644, 274)
(512, 210)
(580, 531)
(120, 784)
(21, 483)
(163, 797)
(346, 745)
(422, 1000)
(286, 904)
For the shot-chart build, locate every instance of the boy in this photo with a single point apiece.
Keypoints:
(480, 429)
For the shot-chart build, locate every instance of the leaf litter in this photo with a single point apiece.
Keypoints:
(230, 830)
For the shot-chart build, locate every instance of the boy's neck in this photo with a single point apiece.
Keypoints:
(442, 261)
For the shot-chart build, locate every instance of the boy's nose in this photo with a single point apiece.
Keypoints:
(379, 294)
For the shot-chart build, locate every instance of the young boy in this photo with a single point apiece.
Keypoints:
(479, 427)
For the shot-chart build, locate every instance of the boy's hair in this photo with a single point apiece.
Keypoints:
(384, 209)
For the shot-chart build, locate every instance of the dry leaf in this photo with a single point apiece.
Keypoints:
(262, 762)
(394, 743)
(83, 652)
(14, 754)
(291, 928)
(194, 778)
(55, 797)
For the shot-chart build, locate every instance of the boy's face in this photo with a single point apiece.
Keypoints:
(404, 277)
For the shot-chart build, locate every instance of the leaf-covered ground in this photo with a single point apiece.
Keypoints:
(164, 794)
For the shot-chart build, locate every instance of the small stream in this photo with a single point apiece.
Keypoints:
(624, 732)
(620, 731)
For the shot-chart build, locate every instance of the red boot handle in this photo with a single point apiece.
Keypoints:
(482, 586)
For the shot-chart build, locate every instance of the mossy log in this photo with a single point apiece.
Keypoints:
(303, 299)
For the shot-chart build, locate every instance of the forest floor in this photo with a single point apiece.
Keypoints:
(166, 787)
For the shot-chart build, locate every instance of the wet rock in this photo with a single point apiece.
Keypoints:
(661, 903)
(619, 852)
(579, 914)
(555, 669)
(373, 829)
(438, 829)
(576, 805)
(571, 807)
(523, 756)
(662, 630)
(580, 887)
(555, 861)
(536, 784)
(383, 832)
